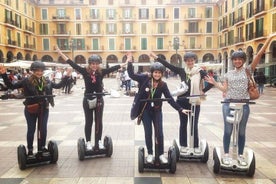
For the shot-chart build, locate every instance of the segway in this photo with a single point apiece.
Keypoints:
(107, 150)
(190, 154)
(234, 166)
(156, 164)
(50, 155)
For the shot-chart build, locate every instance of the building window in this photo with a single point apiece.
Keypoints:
(192, 42)
(95, 44)
(144, 44)
(176, 13)
(208, 12)
(193, 27)
(94, 28)
(110, 13)
(25, 8)
(61, 13)
(232, 19)
(240, 15)
(160, 13)
(191, 13)
(144, 13)
(249, 31)
(111, 28)
(250, 10)
(208, 42)
(127, 44)
(46, 44)
(144, 28)
(111, 44)
(17, 5)
(226, 6)
(94, 13)
(33, 12)
(61, 28)
(110, 2)
(233, 3)
(161, 28)
(63, 44)
(17, 20)
(78, 14)
(160, 2)
(18, 40)
(127, 27)
(231, 37)
(273, 3)
(44, 14)
(78, 29)
(209, 27)
(43, 29)
(127, 13)
(93, 2)
(176, 28)
(160, 43)
(143, 2)
(259, 27)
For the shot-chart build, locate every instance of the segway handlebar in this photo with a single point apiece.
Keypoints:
(155, 99)
(96, 94)
(191, 96)
(39, 96)
(246, 101)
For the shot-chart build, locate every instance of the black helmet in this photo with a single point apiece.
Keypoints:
(157, 66)
(190, 55)
(238, 54)
(94, 59)
(36, 65)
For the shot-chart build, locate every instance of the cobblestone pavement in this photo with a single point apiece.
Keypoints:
(66, 125)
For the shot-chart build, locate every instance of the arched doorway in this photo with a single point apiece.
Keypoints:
(225, 58)
(19, 56)
(80, 59)
(208, 58)
(9, 57)
(1, 57)
(112, 59)
(161, 56)
(144, 58)
(249, 54)
(47, 58)
(28, 57)
(176, 59)
(61, 60)
(34, 57)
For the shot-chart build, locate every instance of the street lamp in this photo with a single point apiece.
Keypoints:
(176, 45)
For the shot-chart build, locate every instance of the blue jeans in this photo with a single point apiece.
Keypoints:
(261, 88)
(228, 128)
(31, 123)
(153, 117)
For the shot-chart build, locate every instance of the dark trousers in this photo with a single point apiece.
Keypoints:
(89, 113)
(184, 122)
(155, 118)
(31, 123)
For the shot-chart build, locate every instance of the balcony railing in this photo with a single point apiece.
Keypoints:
(58, 18)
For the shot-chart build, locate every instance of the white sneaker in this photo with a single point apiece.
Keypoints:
(149, 158)
(88, 145)
(101, 146)
(226, 159)
(163, 159)
(184, 149)
(197, 150)
(241, 160)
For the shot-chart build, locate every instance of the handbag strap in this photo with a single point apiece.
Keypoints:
(142, 111)
(250, 77)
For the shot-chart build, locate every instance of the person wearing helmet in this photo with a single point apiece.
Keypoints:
(35, 85)
(93, 76)
(151, 87)
(235, 87)
(193, 77)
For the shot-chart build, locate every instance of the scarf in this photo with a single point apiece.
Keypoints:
(196, 83)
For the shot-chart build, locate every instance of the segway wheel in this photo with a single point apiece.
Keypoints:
(172, 159)
(205, 157)
(22, 157)
(177, 151)
(252, 167)
(81, 149)
(108, 145)
(53, 149)
(216, 167)
(141, 159)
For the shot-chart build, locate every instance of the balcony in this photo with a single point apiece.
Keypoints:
(160, 33)
(127, 33)
(10, 23)
(193, 17)
(61, 18)
(94, 18)
(240, 20)
(192, 32)
(239, 40)
(28, 29)
(193, 48)
(94, 33)
(61, 33)
(29, 47)
(12, 43)
(223, 28)
(160, 19)
(259, 11)
(127, 19)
